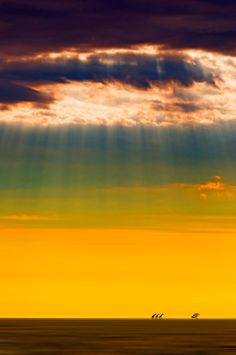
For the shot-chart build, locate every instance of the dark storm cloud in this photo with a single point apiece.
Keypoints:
(11, 93)
(137, 70)
(11, 9)
(28, 27)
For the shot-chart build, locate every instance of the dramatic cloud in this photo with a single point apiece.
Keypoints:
(11, 93)
(143, 86)
(130, 62)
(137, 70)
(43, 26)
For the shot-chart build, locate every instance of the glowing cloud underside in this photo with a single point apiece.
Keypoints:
(143, 86)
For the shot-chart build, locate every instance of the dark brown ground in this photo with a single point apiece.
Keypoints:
(65, 337)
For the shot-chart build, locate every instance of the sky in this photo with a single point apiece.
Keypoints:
(117, 158)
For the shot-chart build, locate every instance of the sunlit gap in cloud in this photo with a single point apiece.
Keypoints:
(144, 86)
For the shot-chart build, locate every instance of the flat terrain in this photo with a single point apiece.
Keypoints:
(65, 337)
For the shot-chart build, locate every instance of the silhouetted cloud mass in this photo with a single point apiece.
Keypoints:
(11, 93)
(136, 70)
(51, 25)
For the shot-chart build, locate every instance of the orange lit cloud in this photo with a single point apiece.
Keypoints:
(120, 87)
(216, 185)
(213, 189)
(217, 188)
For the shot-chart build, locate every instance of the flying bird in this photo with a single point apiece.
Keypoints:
(154, 315)
(161, 315)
